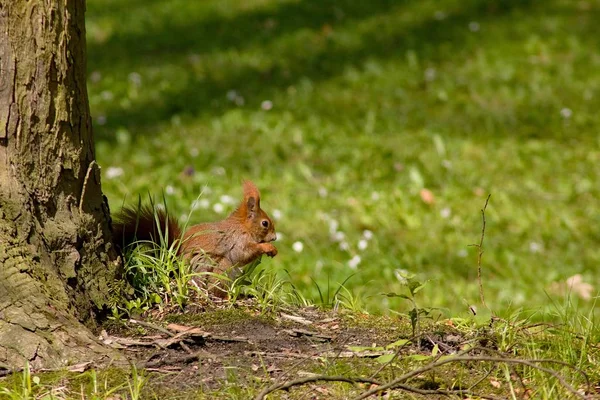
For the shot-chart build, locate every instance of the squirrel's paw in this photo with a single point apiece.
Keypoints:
(268, 249)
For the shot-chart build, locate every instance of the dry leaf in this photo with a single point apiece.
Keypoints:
(427, 196)
(575, 285)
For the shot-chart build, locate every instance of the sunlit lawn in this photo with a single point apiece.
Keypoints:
(375, 131)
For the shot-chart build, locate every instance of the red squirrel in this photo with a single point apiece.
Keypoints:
(241, 238)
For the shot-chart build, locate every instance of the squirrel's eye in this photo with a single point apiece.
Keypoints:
(265, 223)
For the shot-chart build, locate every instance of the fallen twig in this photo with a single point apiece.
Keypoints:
(185, 359)
(151, 326)
(311, 379)
(436, 364)
(296, 318)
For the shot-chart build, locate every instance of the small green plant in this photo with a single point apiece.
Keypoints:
(266, 288)
(415, 313)
(100, 391)
(136, 384)
(22, 388)
(329, 300)
(157, 274)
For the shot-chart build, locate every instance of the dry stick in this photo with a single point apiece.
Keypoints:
(311, 379)
(161, 329)
(152, 326)
(480, 252)
(530, 363)
(317, 378)
(185, 359)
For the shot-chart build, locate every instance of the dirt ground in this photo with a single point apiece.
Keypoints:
(203, 351)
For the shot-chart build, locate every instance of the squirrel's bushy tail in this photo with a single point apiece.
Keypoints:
(144, 223)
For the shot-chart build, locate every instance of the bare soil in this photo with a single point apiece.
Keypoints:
(204, 351)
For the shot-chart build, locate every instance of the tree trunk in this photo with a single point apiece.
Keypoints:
(58, 268)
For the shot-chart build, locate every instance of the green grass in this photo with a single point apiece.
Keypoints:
(573, 342)
(343, 111)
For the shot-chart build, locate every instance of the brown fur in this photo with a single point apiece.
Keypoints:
(239, 239)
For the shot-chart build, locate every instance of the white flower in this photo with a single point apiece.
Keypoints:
(367, 234)
(298, 247)
(322, 192)
(218, 208)
(95, 76)
(318, 267)
(160, 206)
(430, 74)
(445, 212)
(474, 26)
(106, 95)
(266, 105)
(535, 247)
(202, 203)
(232, 95)
(226, 199)
(277, 214)
(333, 226)
(566, 113)
(462, 253)
(170, 189)
(344, 246)
(113, 172)
(354, 261)
(362, 244)
(135, 78)
(338, 236)
(219, 171)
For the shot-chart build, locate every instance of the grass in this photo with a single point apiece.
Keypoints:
(385, 117)
(375, 131)
(574, 341)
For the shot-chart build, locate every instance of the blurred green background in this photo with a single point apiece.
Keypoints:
(375, 131)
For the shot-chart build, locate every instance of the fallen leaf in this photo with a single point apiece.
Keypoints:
(427, 196)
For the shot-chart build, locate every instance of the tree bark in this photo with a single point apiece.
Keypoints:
(58, 268)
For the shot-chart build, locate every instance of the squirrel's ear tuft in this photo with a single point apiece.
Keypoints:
(250, 190)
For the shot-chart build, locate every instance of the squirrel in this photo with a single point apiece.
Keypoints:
(222, 247)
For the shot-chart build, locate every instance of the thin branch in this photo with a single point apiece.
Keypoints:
(152, 326)
(325, 378)
(311, 379)
(530, 363)
(480, 252)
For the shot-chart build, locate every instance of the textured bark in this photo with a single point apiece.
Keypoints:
(57, 264)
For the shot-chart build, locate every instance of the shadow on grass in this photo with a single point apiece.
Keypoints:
(175, 40)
